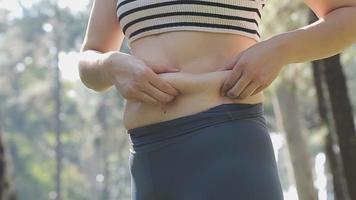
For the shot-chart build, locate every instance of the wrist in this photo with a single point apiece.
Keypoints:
(281, 45)
(108, 64)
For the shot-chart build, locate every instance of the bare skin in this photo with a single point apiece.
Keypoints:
(198, 56)
(177, 73)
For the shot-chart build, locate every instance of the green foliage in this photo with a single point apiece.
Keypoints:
(94, 141)
(27, 109)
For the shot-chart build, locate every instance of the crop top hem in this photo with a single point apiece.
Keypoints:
(140, 18)
(191, 28)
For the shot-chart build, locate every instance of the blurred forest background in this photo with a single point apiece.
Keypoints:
(60, 140)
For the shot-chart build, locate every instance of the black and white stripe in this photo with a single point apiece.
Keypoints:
(186, 2)
(139, 18)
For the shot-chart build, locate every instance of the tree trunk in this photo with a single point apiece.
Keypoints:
(7, 191)
(343, 119)
(339, 118)
(58, 106)
(333, 157)
(297, 145)
(104, 148)
(286, 165)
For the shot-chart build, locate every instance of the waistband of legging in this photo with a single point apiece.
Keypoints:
(183, 125)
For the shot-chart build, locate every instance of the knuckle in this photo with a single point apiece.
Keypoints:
(229, 84)
(243, 64)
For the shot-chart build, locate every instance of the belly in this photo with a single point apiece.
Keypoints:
(198, 55)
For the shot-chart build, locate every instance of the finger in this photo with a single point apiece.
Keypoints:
(222, 68)
(162, 69)
(239, 86)
(155, 93)
(249, 89)
(230, 81)
(228, 66)
(162, 85)
(259, 89)
(147, 98)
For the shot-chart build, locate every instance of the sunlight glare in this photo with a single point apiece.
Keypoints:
(291, 193)
(68, 62)
(277, 142)
(321, 180)
(15, 9)
(75, 6)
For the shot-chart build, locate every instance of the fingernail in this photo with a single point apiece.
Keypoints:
(230, 94)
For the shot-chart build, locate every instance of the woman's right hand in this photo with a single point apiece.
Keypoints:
(135, 81)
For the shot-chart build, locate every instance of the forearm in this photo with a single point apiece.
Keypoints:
(324, 38)
(92, 66)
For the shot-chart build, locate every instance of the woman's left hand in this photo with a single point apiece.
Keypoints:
(252, 70)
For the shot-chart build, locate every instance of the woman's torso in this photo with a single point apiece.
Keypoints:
(197, 55)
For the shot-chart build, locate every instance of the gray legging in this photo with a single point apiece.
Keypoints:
(224, 152)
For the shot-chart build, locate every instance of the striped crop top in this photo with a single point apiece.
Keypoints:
(139, 18)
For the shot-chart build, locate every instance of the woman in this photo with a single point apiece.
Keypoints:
(193, 85)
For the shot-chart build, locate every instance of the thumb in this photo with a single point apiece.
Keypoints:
(230, 64)
(162, 69)
(224, 67)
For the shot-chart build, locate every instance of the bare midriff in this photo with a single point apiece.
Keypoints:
(198, 55)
